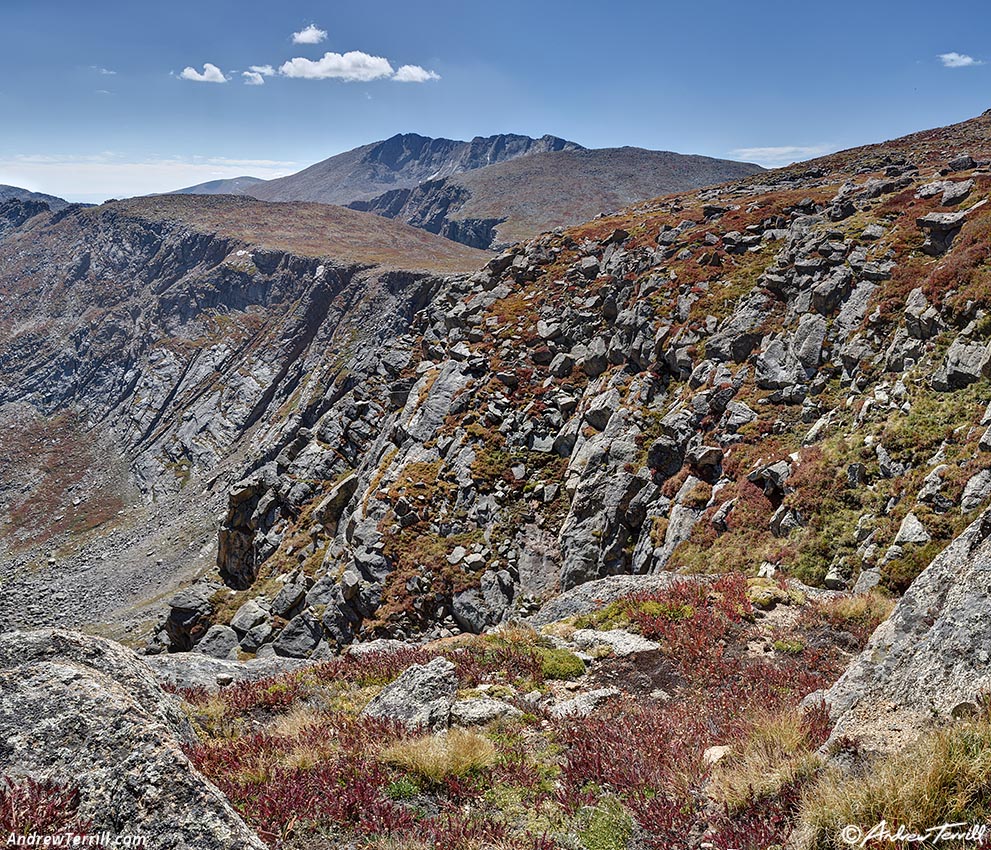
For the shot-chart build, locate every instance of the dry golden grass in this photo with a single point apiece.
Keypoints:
(309, 230)
(437, 757)
(212, 719)
(775, 753)
(294, 722)
(862, 608)
(860, 615)
(945, 777)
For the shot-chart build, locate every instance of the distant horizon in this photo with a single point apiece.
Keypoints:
(124, 100)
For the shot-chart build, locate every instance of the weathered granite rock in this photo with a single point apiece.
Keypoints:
(932, 653)
(99, 723)
(584, 704)
(421, 696)
(193, 670)
(592, 595)
(481, 710)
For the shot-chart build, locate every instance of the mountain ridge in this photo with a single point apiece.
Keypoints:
(497, 205)
(401, 161)
(15, 193)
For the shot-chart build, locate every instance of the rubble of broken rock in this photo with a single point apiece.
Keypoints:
(787, 374)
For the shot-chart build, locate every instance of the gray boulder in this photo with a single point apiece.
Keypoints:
(300, 637)
(933, 652)
(482, 710)
(478, 608)
(583, 704)
(422, 696)
(967, 361)
(219, 642)
(976, 491)
(100, 724)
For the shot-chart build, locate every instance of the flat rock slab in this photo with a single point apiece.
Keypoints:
(194, 670)
(591, 596)
(620, 641)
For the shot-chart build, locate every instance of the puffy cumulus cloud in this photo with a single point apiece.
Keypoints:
(255, 75)
(309, 35)
(210, 74)
(772, 157)
(415, 74)
(353, 66)
(958, 60)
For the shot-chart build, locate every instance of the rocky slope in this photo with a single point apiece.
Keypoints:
(783, 374)
(566, 536)
(400, 162)
(148, 346)
(511, 201)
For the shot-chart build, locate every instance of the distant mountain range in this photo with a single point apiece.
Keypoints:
(15, 193)
(232, 186)
(511, 201)
(490, 191)
(401, 162)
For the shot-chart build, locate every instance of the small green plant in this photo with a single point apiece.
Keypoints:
(403, 788)
(789, 646)
(608, 827)
(559, 663)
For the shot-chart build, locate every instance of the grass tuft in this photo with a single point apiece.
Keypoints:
(435, 758)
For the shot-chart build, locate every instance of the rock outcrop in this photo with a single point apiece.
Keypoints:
(87, 713)
(930, 662)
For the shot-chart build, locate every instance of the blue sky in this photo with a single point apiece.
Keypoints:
(93, 102)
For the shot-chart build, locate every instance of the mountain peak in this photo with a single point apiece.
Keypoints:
(402, 161)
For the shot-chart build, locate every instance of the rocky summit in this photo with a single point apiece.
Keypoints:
(668, 529)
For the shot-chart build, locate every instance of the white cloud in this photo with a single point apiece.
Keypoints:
(353, 66)
(958, 60)
(773, 157)
(94, 178)
(310, 35)
(106, 72)
(256, 75)
(210, 74)
(414, 74)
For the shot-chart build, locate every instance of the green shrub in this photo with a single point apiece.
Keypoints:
(559, 663)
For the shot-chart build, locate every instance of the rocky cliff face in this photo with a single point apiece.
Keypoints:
(146, 355)
(400, 162)
(787, 373)
(784, 374)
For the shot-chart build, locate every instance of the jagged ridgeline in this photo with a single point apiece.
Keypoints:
(788, 370)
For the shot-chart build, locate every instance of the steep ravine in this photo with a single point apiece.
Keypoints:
(154, 358)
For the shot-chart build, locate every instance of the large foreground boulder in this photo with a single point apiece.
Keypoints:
(86, 712)
(931, 660)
